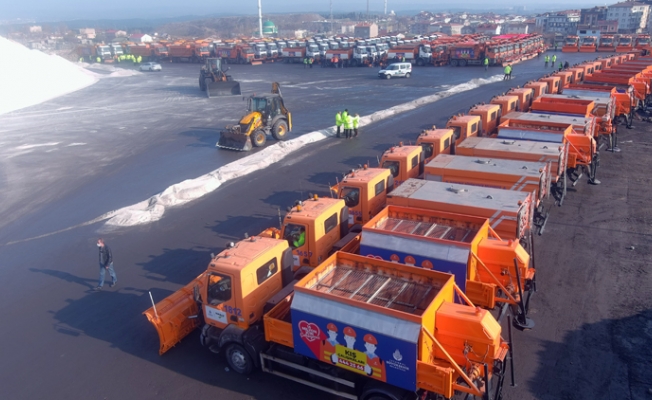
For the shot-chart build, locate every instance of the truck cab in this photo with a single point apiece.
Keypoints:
(565, 78)
(403, 162)
(507, 103)
(539, 88)
(312, 228)
(489, 115)
(553, 82)
(364, 192)
(463, 126)
(525, 97)
(435, 141)
(231, 294)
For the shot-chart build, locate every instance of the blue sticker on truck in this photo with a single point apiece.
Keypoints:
(355, 349)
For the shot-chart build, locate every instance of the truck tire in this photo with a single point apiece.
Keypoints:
(420, 62)
(454, 63)
(354, 62)
(258, 138)
(238, 358)
(280, 130)
(463, 63)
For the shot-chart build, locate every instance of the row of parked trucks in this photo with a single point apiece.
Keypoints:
(458, 50)
(607, 43)
(395, 287)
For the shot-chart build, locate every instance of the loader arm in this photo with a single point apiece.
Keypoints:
(176, 316)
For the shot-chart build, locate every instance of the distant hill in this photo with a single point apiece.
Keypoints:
(226, 27)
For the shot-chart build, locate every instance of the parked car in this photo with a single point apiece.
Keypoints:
(150, 66)
(396, 70)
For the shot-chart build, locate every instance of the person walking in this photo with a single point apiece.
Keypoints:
(356, 123)
(486, 63)
(566, 65)
(305, 62)
(508, 71)
(106, 264)
(139, 60)
(561, 66)
(547, 60)
(554, 59)
(310, 62)
(338, 123)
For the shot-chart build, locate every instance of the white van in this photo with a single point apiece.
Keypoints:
(403, 69)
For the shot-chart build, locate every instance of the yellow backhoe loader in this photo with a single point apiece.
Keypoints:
(266, 115)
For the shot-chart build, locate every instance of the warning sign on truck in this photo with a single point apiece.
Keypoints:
(355, 349)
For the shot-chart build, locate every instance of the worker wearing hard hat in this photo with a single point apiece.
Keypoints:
(375, 366)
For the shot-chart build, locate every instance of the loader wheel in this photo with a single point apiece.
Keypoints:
(280, 130)
(258, 138)
(202, 85)
(238, 359)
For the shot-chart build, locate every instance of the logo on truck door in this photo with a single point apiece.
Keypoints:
(216, 315)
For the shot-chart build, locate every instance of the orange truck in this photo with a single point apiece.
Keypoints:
(623, 82)
(624, 101)
(489, 270)
(578, 132)
(250, 309)
(403, 162)
(489, 115)
(523, 150)
(364, 192)
(607, 44)
(510, 213)
(443, 141)
(553, 82)
(601, 107)
(339, 57)
(571, 44)
(293, 55)
(625, 44)
(525, 97)
(507, 103)
(502, 174)
(538, 88)
(235, 54)
(588, 44)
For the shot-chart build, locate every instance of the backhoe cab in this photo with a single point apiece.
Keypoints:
(215, 82)
(266, 115)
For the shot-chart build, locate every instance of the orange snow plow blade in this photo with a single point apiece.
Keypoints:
(175, 316)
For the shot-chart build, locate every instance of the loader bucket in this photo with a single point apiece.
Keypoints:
(220, 88)
(234, 141)
(172, 316)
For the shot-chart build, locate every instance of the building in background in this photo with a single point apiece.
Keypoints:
(366, 30)
(632, 16)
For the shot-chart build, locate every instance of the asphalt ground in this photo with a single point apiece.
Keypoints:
(61, 340)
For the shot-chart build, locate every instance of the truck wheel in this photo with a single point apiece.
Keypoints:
(238, 359)
(258, 138)
(280, 130)
(420, 62)
(454, 63)
(354, 62)
(462, 63)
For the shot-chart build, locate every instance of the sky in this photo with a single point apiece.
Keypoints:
(49, 10)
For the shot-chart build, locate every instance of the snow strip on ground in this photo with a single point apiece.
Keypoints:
(152, 209)
(29, 77)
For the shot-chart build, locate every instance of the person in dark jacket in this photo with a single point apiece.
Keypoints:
(566, 65)
(106, 263)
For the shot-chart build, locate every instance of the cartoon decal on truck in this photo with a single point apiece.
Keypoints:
(355, 349)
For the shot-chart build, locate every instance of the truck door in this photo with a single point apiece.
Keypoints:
(297, 237)
(351, 196)
(221, 307)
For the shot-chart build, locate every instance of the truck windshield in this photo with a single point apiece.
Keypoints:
(392, 166)
(219, 288)
(295, 235)
(351, 196)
